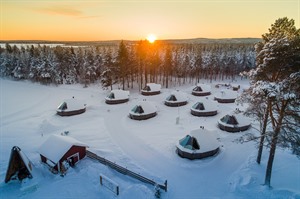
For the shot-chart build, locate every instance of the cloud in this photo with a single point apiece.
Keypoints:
(66, 10)
(61, 10)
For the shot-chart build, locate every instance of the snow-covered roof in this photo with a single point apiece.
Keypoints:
(154, 87)
(56, 146)
(240, 118)
(118, 95)
(235, 85)
(206, 139)
(226, 94)
(147, 107)
(26, 161)
(208, 105)
(180, 97)
(204, 87)
(72, 104)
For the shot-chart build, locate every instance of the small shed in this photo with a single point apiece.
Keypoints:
(117, 97)
(234, 123)
(151, 89)
(201, 90)
(198, 144)
(226, 96)
(176, 98)
(71, 107)
(204, 108)
(19, 166)
(235, 87)
(60, 152)
(142, 111)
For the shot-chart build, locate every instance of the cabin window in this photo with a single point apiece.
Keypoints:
(147, 88)
(63, 106)
(138, 109)
(199, 106)
(171, 98)
(229, 120)
(198, 88)
(111, 96)
(189, 143)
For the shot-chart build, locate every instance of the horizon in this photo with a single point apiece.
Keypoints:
(114, 40)
(131, 20)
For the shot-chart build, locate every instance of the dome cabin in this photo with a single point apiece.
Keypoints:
(234, 123)
(151, 89)
(71, 107)
(176, 98)
(117, 97)
(143, 111)
(226, 96)
(204, 108)
(200, 143)
(201, 90)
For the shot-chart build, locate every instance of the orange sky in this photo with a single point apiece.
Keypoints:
(135, 19)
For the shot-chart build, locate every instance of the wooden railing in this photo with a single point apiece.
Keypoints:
(125, 171)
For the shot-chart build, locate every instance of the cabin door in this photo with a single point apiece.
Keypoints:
(73, 159)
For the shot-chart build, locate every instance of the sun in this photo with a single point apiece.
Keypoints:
(151, 38)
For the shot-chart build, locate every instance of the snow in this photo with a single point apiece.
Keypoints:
(154, 87)
(206, 139)
(119, 94)
(28, 117)
(204, 87)
(209, 105)
(57, 145)
(147, 106)
(73, 104)
(241, 119)
(226, 94)
(180, 96)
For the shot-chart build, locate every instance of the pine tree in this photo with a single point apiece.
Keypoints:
(277, 79)
(122, 63)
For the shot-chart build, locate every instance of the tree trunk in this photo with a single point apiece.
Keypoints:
(277, 126)
(263, 133)
(271, 158)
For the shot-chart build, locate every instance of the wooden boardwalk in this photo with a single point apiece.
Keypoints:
(125, 171)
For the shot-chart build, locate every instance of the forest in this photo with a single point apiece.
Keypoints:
(127, 63)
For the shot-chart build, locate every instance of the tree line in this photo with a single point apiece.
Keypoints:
(127, 64)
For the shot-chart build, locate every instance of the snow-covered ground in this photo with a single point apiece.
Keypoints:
(28, 117)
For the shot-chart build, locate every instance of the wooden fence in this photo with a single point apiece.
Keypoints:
(125, 171)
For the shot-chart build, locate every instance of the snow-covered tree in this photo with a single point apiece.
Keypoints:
(275, 84)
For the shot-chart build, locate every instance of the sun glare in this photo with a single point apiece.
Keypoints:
(151, 38)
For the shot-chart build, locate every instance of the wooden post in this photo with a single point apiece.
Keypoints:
(166, 185)
(117, 190)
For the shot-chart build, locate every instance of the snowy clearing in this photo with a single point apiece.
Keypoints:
(28, 117)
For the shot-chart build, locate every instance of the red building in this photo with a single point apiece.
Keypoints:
(60, 152)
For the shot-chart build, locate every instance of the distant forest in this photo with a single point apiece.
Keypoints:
(127, 63)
